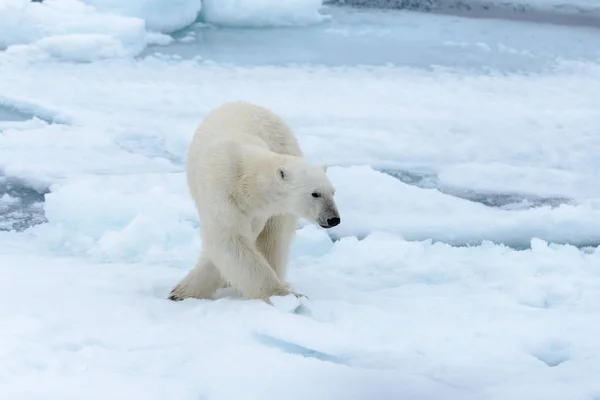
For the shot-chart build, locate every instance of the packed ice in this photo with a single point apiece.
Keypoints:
(467, 262)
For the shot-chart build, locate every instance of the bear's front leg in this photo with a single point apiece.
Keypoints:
(275, 241)
(242, 265)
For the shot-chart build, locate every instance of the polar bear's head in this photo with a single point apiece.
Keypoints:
(305, 190)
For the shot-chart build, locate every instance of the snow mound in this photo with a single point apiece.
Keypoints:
(310, 241)
(421, 214)
(262, 13)
(69, 28)
(78, 47)
(136, 227)
(160, 15)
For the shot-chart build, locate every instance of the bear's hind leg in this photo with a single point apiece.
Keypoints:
(201, 282)
(275, 240)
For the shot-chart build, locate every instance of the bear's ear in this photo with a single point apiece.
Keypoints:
(282, 174)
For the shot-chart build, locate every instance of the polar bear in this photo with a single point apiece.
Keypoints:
(250, 184)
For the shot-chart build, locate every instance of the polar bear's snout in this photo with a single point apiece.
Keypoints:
(330, 217)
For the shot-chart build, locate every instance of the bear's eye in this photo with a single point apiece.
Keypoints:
(282, 174)
(315, 194)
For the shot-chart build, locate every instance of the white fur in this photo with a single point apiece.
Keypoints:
(250, 184)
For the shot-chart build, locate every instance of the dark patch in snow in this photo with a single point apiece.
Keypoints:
(11, 113)
(558, 14)
(21, 206)
(292, 348)
(507, 201)
(17, 111)
(518, 244)
(415, 5)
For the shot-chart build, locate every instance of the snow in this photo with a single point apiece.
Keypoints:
(387, 318)
(159, 15)
(69, 28)
(466, 265)
(261, 13)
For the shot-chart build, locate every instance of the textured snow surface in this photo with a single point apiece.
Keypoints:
(386, 319)
(466, 266)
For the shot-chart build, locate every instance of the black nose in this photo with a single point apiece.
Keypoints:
(333, 221)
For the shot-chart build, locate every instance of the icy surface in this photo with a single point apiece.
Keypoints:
(466, 266)
(261, 13)
(376, 37)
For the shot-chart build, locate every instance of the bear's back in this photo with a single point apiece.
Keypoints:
(237, 119)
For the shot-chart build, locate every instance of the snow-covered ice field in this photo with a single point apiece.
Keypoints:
(466, 158)
(378, 37)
